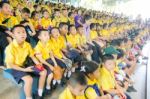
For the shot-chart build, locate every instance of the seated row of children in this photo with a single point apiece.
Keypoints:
(96, 59)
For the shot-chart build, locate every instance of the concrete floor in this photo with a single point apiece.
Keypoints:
(8, 90)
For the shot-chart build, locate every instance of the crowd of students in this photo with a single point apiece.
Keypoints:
(94, 52)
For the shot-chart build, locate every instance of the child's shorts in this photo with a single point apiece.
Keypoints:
(19, 74)
(58, 61)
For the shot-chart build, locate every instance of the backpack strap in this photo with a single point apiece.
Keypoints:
(95, 87)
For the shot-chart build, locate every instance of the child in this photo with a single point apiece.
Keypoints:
(85, 49)
(56, 20)
(44, 55)
(64, 16)
(75, 87)
(16, 54)
(71, 18)
(6, 19)
(91, 71)
(46, 21)
(57, 48)
(108, 82)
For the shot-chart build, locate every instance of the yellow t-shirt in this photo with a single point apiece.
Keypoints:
(56, 21)
(12, 21)
(43, 50)
(93, 35)
(16, 54)
(73, 40)
(90, 92)
(64, 19)
(57, 47)
(71, 20)
(66, 94)
(35, 23)
(105, 33)
(82, 39)
(107, 79)
(45, 23)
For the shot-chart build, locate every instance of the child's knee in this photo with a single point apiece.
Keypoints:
(43, 73)
(28, 80)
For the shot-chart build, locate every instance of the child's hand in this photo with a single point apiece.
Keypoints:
(29, 69)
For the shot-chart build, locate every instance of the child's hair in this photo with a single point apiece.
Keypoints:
(80, 26)
(33, 14)
(107, 57)
(2, 3)
(87, 17)
(70, 13)
(16, 26)
(89, 67)
(92, 26)
(25, 10)
(120, 54)
(77, 78)
(40, 31)
(62, 24)
(53, 29)
(70, 26)
(44, 11)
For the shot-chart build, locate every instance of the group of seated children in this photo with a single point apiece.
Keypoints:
(94, 53)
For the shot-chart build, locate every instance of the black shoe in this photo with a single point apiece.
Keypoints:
(131, 89)
(38, 97)
(47, 92)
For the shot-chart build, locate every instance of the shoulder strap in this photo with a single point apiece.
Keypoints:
(95, 87)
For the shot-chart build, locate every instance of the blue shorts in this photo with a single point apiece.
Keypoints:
(19, 74)
(59, 62)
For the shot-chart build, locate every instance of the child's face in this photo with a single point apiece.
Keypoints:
(64, 30)
(78, 90)
(57, 14)
(25, 15)
(80, 30)
(44, 36)
(6, 9)
(46, 15)
(73, 30)
(109, 65)
(65, 12)
(20, 34)
(55, 33)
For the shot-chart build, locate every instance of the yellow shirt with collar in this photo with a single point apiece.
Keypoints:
(43, 50)
(56, 21)
(90, 92)
(10, 23)
(66, 94)
(16, 54)
(45, 23)
(57, 47)
(71, 20)
(93, 35)
(82, 39)
(73, 40)
(105, 33)
(107, 79)
(64, 19)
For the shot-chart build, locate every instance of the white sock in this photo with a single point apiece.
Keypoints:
(65, 74)
(28, 97)
(40, 92)
(48, 87)
(69, 74)
(73, 69)
(58, 81)
(54, 82)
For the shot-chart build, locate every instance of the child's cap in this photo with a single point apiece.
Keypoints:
(110, 50)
